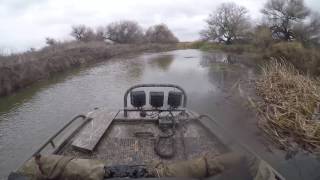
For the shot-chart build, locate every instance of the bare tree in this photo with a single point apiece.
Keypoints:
(308, 32)
(282, 15)
(51, 41)
(101, 34)
(78, 32)
(160, 34)
(227, 23)
(89, 35)
(209, 34)
(124, 32)
(84, 33)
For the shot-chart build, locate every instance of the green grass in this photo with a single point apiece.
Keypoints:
(306, 60)
(235, 48)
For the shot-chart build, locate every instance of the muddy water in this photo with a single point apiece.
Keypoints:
(216, 83)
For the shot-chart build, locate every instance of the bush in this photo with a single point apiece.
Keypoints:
(124, 32)
(86, 34)
(51, 41)
(306, 60)
(262, 37)
(160, 34)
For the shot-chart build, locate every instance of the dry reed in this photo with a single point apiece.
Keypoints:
(290, 107)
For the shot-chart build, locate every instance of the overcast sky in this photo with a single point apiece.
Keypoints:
(26, 23)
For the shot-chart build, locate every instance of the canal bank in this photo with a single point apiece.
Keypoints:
(18, 71)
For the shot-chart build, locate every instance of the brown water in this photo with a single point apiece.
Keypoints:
(216, 83)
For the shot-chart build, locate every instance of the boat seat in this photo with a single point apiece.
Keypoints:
(94, 130)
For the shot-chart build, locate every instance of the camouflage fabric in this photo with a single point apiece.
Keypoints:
(208, 166)
(205, 166)
(61, 167)
(68, 168)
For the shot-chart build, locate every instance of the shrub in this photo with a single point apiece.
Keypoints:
(306, 60)
(124, 32)
(262, 37)
(160, 34)
(86, 34)
(51, 41)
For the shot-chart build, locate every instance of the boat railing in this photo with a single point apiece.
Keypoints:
(52, 141)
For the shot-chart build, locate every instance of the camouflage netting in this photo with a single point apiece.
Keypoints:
(227, 166)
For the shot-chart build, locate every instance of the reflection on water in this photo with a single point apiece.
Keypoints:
(163, 62)
(135, 70)
(224, 71)
(210, 79)
(217, 57)
(17, 100)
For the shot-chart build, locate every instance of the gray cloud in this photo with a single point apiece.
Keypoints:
(26, 23)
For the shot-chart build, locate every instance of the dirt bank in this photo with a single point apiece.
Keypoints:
(20, 70)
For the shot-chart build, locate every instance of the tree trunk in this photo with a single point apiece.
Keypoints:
(228, 41)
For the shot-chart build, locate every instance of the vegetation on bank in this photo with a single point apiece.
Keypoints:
(288, 91)
(290, 107)
(20, 70)
(306, 60)
(283, 20)
(123, 32)
(288, 41)
(289, 30)
(117, 38)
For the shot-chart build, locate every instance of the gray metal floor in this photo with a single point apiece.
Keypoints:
(134, 144)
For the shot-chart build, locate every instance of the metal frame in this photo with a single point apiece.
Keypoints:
(50, 140)
(125, 98)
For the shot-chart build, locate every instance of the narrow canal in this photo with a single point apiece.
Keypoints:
(216, 83)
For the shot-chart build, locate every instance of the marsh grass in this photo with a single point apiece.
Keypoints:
(289, 109)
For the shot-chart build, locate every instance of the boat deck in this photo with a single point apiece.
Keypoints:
(131, 140)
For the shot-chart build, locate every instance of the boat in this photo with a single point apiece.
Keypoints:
(155, 136)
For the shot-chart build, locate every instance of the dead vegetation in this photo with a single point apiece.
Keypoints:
(20, 70)
(289, 109)
(91, 45)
